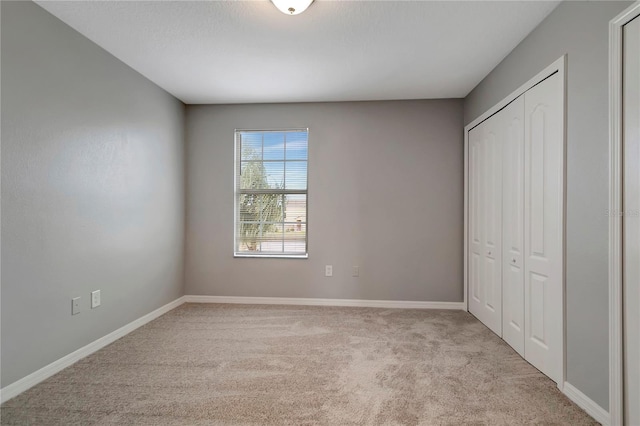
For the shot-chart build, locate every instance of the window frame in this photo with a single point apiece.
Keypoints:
(236, 194)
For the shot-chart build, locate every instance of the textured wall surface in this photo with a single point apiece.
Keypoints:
(385, 193)
(92, 191)
(579, 29)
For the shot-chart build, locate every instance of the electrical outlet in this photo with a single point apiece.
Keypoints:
(355, 271)
(328, 271)
(75, 306)
(95, 299)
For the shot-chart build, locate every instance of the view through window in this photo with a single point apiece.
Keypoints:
(271, 192)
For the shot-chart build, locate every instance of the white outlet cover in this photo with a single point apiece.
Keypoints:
(355, 271)
(328, 271)
(95, 299)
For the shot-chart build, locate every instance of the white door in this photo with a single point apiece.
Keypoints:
(513, 225)
(485, 173)
(543, 224)
(631, 221)
(476, 231)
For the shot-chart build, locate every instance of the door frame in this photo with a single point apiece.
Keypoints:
(616, 383)
(558, 66)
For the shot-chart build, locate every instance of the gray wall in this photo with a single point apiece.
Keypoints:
(579, 29)
(385, 193)
(92, 191)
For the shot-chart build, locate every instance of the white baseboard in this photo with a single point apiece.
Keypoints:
(324, 302)
(587, 404)
(16, 388)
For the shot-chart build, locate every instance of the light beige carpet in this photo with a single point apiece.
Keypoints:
(289, 365)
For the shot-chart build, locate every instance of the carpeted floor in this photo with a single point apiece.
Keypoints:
(289, 365)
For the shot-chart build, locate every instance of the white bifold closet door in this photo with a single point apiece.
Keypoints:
(513, 226)
(485, 245)
(516, 214)
(543, 223)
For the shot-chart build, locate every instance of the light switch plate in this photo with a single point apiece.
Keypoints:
(75, 306)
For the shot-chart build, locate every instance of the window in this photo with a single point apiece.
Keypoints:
(271, 193)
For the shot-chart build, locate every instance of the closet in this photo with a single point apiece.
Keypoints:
(516, 224)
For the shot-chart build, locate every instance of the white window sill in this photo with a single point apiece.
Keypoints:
(273, 256)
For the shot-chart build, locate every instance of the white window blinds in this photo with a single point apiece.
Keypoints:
(271, 192)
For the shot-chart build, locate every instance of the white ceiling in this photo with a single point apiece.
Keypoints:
(249, 52)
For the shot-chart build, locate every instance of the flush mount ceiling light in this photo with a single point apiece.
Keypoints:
(292, 7)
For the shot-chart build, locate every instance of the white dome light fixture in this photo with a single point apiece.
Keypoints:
(292, 7)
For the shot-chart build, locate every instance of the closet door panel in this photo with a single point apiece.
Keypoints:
(513, 226)
(543, 224)
(476, 217)
(476, 236)
(493, 224)
(485, 223)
